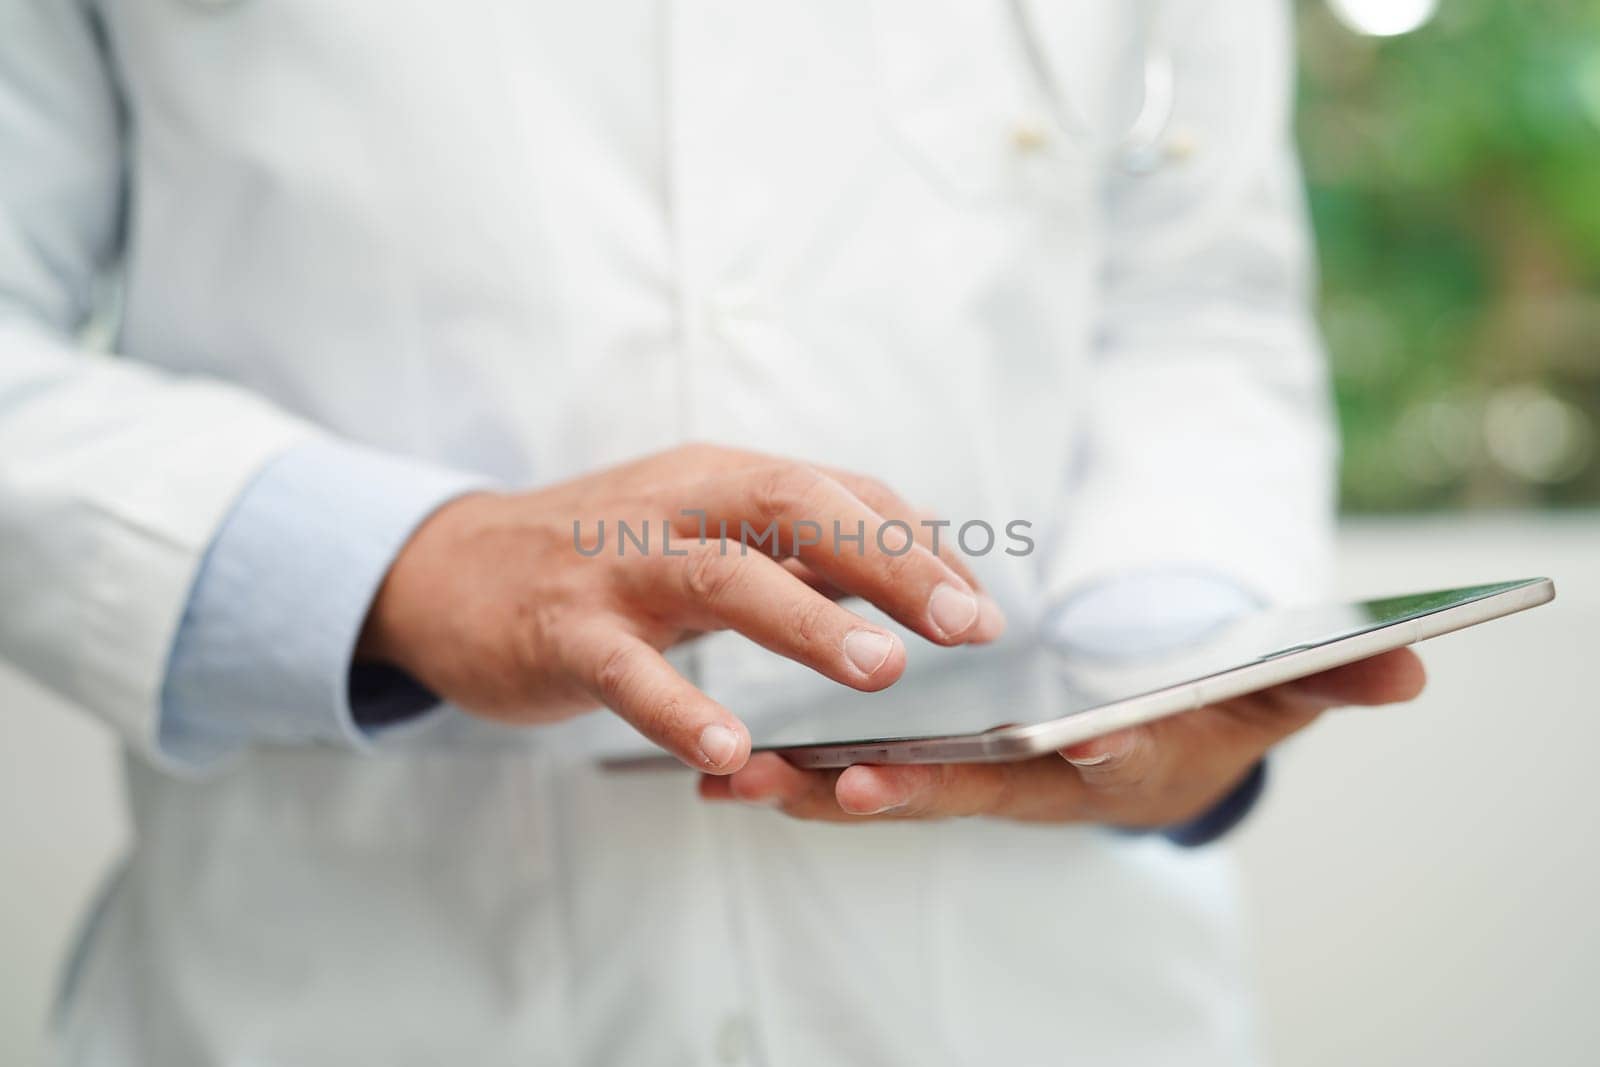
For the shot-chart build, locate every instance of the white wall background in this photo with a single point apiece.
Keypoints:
(1426, 879)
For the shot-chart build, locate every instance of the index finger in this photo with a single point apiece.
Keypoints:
(634, 680)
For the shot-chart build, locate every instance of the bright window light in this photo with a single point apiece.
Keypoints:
(1384, 18)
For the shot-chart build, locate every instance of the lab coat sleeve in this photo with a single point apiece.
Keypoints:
(1208, 440)
(265, 649)
(113, 477)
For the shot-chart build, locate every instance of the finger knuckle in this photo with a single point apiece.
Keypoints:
(538, 635)
(875, 492)
(709, 577)
(781, 491)
(615, 671)
(900, 570)
(1004, 792)
(670, 711)
(812, 622)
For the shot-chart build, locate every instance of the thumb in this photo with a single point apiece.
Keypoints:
(1116, 761)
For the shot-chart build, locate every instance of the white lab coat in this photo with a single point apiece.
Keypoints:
(530, 239)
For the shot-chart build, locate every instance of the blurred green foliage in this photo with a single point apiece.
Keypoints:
(1454, 182)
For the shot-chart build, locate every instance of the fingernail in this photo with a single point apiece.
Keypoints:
(885, 810)
(1108, 748)
(953, 611)
(893, 805)
(718, 744)
(867, 649)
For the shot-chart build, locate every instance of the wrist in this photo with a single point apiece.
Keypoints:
(415, 581)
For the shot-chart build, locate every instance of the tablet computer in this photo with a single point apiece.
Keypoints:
(1025, 698)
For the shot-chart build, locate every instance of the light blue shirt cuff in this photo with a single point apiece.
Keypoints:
(264, 650)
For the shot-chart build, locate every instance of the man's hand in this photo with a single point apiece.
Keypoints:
(492, 605)
(1160, 774)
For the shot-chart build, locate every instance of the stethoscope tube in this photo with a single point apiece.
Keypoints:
(1138, 149)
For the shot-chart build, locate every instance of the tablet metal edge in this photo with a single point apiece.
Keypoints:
(1037, 739)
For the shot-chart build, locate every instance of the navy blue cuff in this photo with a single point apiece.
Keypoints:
(381, 695)
(1224, 816)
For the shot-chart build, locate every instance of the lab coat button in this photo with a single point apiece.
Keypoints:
(1029, 136)
(1181, 146)
(732, 1039)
